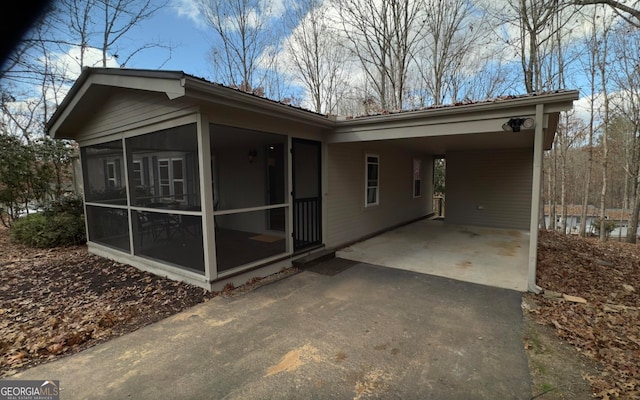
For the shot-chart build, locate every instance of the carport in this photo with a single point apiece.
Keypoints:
(493, 152)
(488, 256)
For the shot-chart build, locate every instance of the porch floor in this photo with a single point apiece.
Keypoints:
(487, 256)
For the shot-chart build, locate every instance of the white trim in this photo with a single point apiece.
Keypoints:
(106, 205)
(167, 211)
(149, 265)
(250, 209)
(535, 200)
(206, 197)
(261, 261)
(167, 122)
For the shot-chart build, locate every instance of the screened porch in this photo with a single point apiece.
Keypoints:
(144, 198)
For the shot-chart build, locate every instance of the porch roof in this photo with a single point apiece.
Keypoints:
(459, 126)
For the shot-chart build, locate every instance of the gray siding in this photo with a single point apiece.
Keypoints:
(347, 217)
(130, 108)
(489, 188)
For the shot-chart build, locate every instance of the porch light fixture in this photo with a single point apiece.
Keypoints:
(516, 124)
(252, 155)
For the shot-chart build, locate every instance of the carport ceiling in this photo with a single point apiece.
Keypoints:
(473, 141)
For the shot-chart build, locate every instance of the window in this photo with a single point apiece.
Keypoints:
(103, 172)
(417, 177)
(372, 188)
(138, 173)
(171, 175)
(163, 169)
(112, 176)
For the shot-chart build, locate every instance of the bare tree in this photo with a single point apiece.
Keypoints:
(451, 35)
(601, 61)
(383, 35)
(103, 24)
(317, 56)
(537, 23)
(592, 47)
(36, 74)
(570, 132)
(630, 13)
(627, 105)
(242, 33)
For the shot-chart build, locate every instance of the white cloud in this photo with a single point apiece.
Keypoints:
(68, 65)
(189, 9)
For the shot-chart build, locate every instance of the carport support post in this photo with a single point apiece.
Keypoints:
(535, 198)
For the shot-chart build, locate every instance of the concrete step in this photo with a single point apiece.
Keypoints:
(314, 258)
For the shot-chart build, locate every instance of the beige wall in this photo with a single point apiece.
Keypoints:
(489, 188)
(347, 217)
(130, 109)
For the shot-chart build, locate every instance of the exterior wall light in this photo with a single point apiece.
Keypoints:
(516, 124)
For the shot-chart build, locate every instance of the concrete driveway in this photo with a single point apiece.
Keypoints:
(364, 332)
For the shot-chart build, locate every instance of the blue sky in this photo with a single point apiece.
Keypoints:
(179, 26)
(174, 28)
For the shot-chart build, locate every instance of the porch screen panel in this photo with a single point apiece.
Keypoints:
(244, 238)
(108, 226)
(175, 239)
(104, 180)
(249, 168)
(250, 187)
(163, 169)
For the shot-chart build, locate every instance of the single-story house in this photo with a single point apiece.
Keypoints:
(204, 183)
(619, 216)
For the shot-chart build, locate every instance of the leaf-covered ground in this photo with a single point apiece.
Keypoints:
(60, 301)
(606, 328)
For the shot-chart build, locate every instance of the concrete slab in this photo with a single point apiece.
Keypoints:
(487, 256)
(365, 332)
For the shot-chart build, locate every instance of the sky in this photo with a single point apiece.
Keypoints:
(175, 25)
(180, 26)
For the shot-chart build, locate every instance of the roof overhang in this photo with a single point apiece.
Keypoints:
(461, 126)
(95, 84)
(475, 124)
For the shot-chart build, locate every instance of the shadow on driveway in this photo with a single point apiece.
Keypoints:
(361, 332)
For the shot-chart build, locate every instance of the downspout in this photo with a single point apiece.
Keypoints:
(535, 198)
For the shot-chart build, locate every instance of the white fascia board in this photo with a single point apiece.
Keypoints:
(173, 88)
(64, 114)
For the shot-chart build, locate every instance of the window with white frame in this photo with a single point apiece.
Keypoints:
(171, 174)
(372, 184)
(138, 173)
(417, 177)
(112, 174)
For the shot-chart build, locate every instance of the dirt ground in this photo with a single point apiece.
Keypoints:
(588, 344)
(557, 369)
(57, 302)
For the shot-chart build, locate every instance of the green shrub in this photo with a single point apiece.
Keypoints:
(61, 223)
(609, 226)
